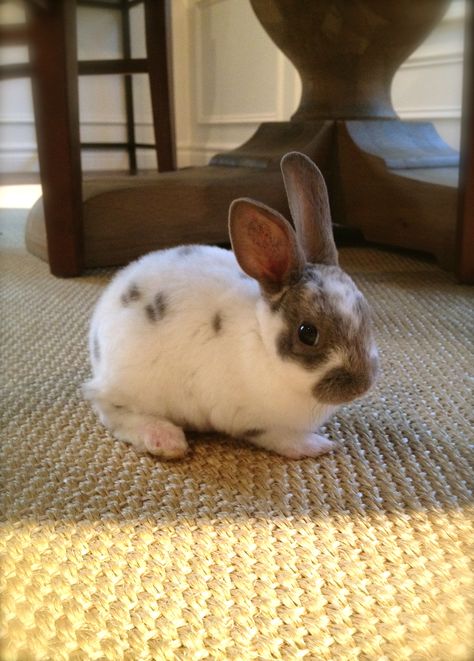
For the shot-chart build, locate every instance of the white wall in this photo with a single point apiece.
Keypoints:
(229, 77)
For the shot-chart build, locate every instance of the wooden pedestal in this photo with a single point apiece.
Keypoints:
(394, 181)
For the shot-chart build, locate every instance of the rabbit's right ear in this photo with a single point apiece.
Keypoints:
(309, 206)
(264, 244)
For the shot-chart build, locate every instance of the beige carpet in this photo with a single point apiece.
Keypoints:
(236, 553)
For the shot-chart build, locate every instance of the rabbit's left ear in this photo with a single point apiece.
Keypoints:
(309, 206)
(264, 244)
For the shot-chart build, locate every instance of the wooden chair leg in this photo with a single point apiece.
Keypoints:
(56, 104)
(128, 87)
(465, 264)
(158, 44)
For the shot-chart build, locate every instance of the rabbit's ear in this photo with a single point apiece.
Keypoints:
(309, 206)
(264, 244)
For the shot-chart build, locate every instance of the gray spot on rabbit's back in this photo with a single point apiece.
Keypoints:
(96, 348)
(157, 309)
(131, 294)
(217, 323)
(253, 433)
(184, 251)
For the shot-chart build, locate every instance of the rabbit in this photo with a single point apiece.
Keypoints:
(261, 343)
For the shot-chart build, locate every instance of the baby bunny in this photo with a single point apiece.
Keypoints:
(262, 343)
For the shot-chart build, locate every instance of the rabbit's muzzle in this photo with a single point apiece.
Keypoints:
(344, 384)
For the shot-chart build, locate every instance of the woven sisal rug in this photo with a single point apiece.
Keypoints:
(236, 553)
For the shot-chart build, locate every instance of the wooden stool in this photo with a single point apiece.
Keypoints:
(51, 35)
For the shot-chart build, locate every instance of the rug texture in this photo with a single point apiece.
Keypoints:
(236, 553)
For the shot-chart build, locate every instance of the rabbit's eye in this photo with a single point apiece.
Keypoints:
(308, 334)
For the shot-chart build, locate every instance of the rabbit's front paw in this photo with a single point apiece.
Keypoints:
(294, 444)
(314, 445)
(165, 440)
(309, 445)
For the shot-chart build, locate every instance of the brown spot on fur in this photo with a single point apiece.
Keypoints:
(217, 323)
(96, 348)
(186, 250)
(253, 433)
(131, 295)
(157, 309)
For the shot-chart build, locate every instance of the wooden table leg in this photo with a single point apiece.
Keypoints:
(55, 94)
(465, 261)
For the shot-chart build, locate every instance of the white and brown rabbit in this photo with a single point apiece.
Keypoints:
(262, 343)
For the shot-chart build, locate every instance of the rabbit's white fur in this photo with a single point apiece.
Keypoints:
(181, 370)
(207, 356)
